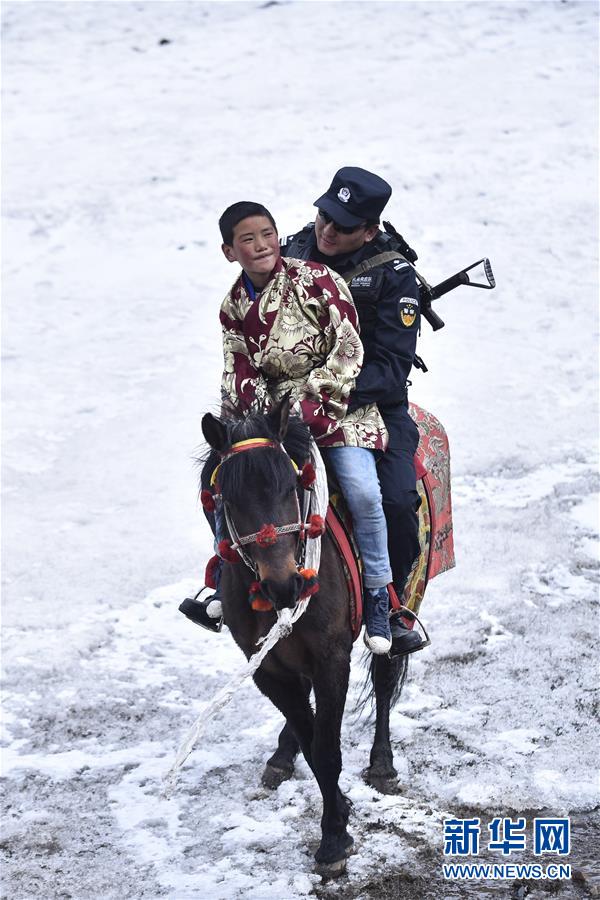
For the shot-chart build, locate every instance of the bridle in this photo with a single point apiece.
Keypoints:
(304, 525)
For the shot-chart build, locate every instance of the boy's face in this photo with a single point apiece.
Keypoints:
(255, 247)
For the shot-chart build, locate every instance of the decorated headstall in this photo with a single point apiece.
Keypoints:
(306, 525)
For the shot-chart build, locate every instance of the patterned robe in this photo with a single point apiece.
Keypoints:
(300, 334)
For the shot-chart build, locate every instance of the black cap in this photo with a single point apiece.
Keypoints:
(355, 196)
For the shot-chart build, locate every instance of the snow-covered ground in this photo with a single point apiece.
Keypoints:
(128, 128)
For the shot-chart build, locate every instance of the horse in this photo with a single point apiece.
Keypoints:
(258, 486)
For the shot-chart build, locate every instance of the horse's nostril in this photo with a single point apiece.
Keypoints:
(282, 593)
(265, 587)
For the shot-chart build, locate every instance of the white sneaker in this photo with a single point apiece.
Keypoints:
(378, 636)
(377, 645)
(214, 609)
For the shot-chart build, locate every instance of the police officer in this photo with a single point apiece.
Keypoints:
(345, 236)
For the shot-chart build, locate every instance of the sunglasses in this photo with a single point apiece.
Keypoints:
(341, 229)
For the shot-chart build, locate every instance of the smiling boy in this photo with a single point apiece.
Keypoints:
(253, 243)
(290, 326)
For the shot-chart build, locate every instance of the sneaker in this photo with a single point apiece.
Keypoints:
(378, 636)
(404, 639)
(207, 613)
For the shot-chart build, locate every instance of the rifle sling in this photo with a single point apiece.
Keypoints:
(379, 260)
(367, 264)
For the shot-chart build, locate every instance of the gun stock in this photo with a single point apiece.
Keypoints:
(479, 274)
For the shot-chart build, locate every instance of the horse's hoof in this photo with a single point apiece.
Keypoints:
(335, 868)
(273, 776)
(385, 784)
(331, 870)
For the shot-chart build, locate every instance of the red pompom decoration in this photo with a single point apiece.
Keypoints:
(316, 526)
(227, 552)
(211, 569)
(308, 475)
(207, 500)
(266, 536)
(311, 583)
(256, 599)
(259, 604)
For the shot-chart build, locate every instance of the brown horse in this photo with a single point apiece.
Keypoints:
(259, 486)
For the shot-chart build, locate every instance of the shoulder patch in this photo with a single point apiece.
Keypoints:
(408, 309)
(399, 264)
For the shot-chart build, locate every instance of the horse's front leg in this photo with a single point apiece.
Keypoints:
(331, 685)
(280, 766)
(386, 674)
(290, 696)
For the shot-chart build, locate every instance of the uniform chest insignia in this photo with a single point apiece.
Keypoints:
(407, 309)
(361, 281)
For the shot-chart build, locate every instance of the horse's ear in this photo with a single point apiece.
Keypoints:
(280, 415)
(214, 432)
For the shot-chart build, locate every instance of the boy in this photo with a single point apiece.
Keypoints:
(291, 326)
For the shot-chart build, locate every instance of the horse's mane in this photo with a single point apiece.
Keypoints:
(267, 466)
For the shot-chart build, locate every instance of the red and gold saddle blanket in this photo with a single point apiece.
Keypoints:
(432, 463)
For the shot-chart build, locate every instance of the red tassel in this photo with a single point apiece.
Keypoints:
(259, 604)
(226, 551)
(211, 569)
(308, 475)
(257, 601)
(316, 526)
(311, 583)
(207, 501)
(266, 536)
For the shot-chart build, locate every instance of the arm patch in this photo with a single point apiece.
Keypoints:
(408, 311)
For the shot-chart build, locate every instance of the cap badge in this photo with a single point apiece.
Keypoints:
(344, 194)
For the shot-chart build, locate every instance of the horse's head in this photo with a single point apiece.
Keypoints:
(258, 484)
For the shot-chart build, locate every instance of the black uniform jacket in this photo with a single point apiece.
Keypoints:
(387, 301)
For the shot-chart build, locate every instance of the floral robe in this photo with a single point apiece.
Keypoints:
(300, 334)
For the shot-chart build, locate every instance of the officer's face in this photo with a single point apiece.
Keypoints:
(333, 243)
(256, 247)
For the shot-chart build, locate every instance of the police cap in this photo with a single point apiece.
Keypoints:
(355, 196)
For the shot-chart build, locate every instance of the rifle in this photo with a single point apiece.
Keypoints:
(481, 276)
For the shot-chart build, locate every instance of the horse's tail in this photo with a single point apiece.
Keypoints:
(386, 674)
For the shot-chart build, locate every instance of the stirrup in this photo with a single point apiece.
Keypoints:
(407, 613)
(196, 611)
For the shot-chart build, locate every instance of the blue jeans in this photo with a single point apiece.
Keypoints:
(355, 470)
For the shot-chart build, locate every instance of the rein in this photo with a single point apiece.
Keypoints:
(286, 618)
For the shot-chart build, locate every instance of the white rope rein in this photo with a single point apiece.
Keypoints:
(286, 618)
(281, 629)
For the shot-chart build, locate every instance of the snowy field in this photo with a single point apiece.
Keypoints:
(128, 128)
